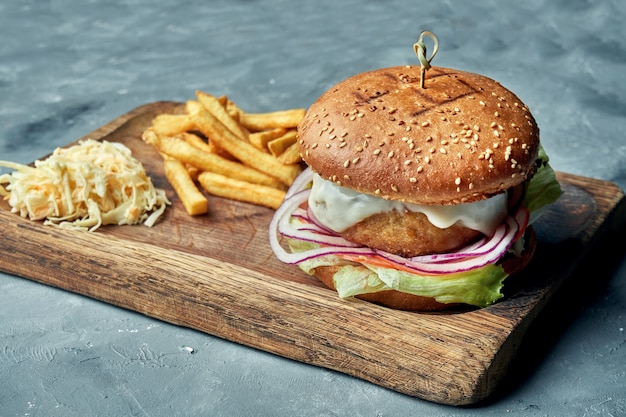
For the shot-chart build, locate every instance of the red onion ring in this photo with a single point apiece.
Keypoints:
(478, 254)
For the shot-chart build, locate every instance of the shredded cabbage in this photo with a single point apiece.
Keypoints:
(84, 187)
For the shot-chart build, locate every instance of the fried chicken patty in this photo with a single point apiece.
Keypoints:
(408, 234)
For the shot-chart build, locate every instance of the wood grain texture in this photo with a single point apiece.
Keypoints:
(217, 274)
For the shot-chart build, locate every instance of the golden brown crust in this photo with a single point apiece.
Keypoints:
(462, 138)
(402, 301)
(408, 234)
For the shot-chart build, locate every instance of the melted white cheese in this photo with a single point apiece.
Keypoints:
(339, 208)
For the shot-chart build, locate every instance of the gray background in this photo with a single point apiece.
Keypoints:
(69, 66)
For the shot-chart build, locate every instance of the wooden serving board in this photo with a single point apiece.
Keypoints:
(217, 274)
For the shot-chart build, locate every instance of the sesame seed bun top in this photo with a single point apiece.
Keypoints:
(461, 138)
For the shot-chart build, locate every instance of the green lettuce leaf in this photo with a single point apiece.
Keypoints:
(479, 287)
(543, 188)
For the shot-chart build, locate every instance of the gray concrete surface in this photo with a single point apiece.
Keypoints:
(68, 66)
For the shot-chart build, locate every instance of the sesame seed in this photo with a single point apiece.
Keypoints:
(424, 124)
(394, 187)
(457, 181)
(420, 169)
(356, 160)
(413, 180)
(342, 144)
(390, 154)
(346, 164)
(359, 149)
(376, 151)
(482, 103)
(443, 150)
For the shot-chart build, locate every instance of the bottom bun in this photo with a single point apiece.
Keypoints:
(402, 301)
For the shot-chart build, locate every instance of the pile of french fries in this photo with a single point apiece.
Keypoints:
(217, 148)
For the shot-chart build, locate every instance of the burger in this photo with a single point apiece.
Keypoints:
(419, 194)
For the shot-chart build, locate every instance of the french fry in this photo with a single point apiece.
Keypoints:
(171, 124)
(223, 100)
(261, 139)
(192, 198)
(189, 154)
(233, 109)
(193, 171)
(210, 146)
(192, 105)
(222, 186)
(196, 141)
(213, 106)
(291, 155)
(256, 122)
(277, 146)
(244, 151)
